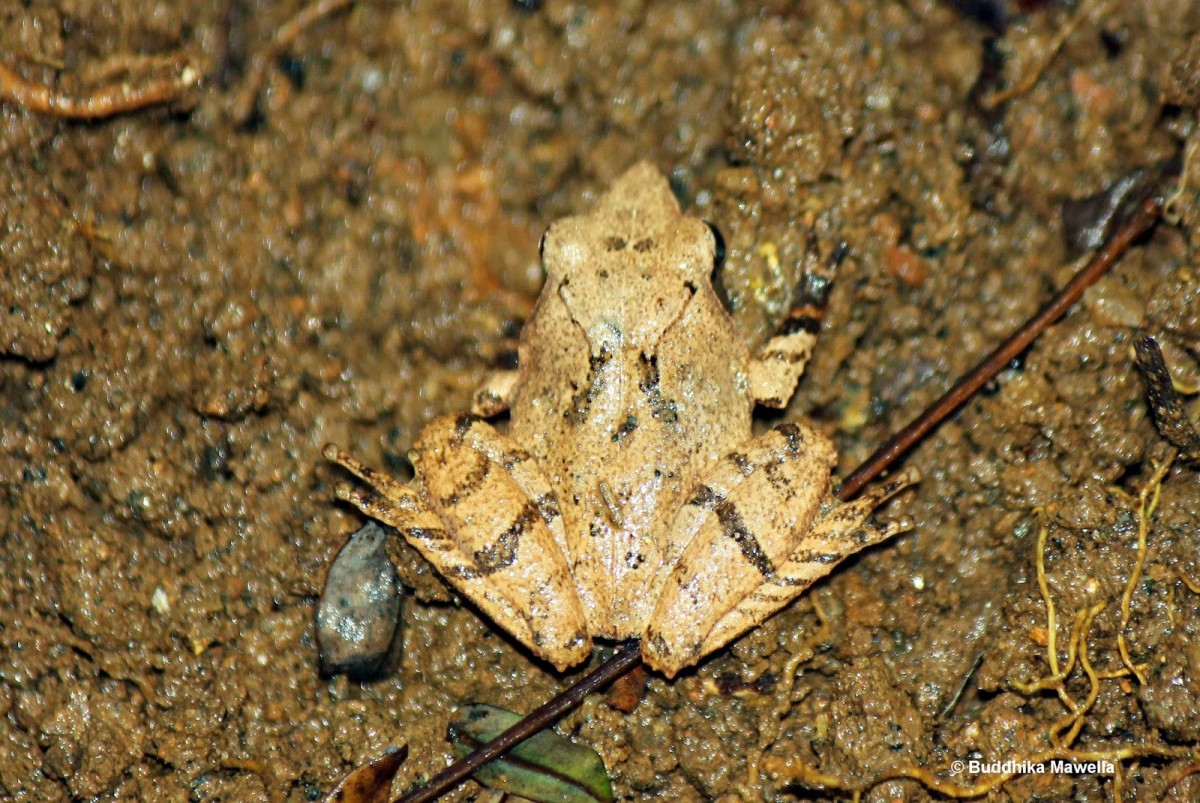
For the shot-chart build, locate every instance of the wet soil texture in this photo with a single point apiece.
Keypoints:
(324, 227)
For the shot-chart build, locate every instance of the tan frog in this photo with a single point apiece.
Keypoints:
(629, 497)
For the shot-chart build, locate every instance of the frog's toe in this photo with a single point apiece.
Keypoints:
(669, 652)
(562, 652)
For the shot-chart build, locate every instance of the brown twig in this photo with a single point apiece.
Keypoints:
(629, 655)
(116, 98)
(282, 39)
(1141, 222)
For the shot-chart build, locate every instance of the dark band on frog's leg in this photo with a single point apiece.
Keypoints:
(462, 425)
(734, 527)
(793, 439)
(430, 534)
(811, 295)
(502, 553)
(469, 484)
(782, 360)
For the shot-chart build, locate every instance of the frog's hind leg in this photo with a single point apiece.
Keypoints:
(400, 506)
(753, 535)
(781, 361)
(487, 520)
(840, 532)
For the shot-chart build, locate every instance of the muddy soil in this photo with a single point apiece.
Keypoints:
(332, 239)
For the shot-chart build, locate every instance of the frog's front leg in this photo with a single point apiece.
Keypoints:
(483, 514)
(781, 361)
(758, 531)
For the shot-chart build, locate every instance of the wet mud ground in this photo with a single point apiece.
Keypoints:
(196, 297)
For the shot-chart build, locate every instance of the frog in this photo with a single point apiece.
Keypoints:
(629, 496)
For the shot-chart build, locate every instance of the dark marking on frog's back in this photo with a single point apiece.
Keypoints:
(661, 408)
(705, 497)
(581, 402)
(547, 505)
(629, 425)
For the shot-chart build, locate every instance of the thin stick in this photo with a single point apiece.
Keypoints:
(623, 660)
(107, 101)
(280, 41)
(1145, 217)
(1031, 77)
(629, 655)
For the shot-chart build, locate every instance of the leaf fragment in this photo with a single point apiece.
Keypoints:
(370, 783)
(1166, 404)
(547, 767)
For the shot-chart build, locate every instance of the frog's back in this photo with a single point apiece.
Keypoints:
(633, 381)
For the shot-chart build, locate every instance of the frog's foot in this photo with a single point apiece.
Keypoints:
(472, 515)
(781, 362)
(756, 538)
(385, 499)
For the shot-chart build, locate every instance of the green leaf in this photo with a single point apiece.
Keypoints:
(547, 767)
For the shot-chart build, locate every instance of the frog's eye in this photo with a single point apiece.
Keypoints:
(719, 254)
(542, 254)
(719, 263)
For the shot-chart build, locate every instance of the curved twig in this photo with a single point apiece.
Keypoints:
(283, 38)
(120, 97)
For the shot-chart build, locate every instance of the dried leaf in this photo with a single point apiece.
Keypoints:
(546, 767)
(370, 783)
(1165, 402)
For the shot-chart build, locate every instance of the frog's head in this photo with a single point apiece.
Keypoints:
(628, 269)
